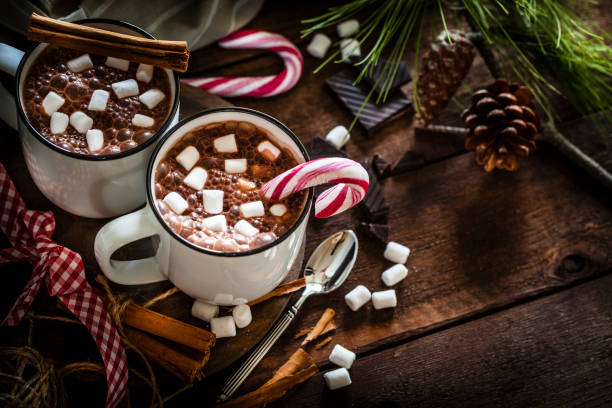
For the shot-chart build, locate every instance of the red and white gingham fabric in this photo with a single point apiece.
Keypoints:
(63, 272)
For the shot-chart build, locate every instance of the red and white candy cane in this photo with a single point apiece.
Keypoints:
(353, 182)
(256, 86)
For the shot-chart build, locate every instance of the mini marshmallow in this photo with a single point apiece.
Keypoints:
(252, 209)
(95, 139)
(342, 357)
(176, 202)
(246, 185)
(204, 311)
(245, 228)
(357, 297)
(319, 45)
(397, 253)
(52, 103)
(242, 316)
(384, 299)
(348, 28)
(226, 144)
(394, 274)
(338, 136)
(213, 201)
(268, 150)
(337, 378)
(349, 47)
(223, 326)
(144, 73)
(80, 63)
(235, 165)
(152, 97)
(196, 178)
(142, 121)
(188, 157)
(98, 101)
(215, 223)
(81, 122)
(278, 210)
(59, 122)
(126, 88)
(118, 63)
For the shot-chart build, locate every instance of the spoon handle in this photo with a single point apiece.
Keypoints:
(232, 384)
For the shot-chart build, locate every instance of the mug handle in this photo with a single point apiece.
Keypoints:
(119, 232)
(10, 57)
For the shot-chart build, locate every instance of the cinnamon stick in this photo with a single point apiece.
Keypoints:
(316, 331)
(296, 362)
(165, 54)
(329, 327)
(322, 343)
(280, 290)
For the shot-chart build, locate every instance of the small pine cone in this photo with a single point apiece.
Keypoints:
(502, 123)
(443, 69)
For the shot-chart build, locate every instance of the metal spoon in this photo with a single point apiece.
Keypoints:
(326, 270)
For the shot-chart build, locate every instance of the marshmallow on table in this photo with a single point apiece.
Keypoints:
(152, 97)
(213, 201)
(394, 274)
(126, 88)
(242, 316)
(226, 144)
(59, 122)
(142, 121)
(52, 103)
(348, 28)
(338, 136)
(235, 165)
(342, 356)
(80, 121)
(384, 299)
(397, 253)
(176, 202)
(95, 139)
(337, 378)
(357, 297)
(188, 157)
(204, 311)
(118, 63)
(144, 73)
(278, 210)
(98, 101)
(196, 178)
(245, 228)
(318, 45)
(268, 150)
(80, 63)
(252, 209)
(223, 326)
(215, 223)
(349, 47)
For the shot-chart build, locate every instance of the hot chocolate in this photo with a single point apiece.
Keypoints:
(92, 104)
(207, 187)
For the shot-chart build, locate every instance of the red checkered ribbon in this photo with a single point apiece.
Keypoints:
(63, 272)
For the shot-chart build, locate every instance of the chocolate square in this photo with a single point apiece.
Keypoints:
(377, 232)
(374, 201)
(402, 76)
(322, 148)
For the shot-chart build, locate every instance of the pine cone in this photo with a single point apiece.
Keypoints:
(443, 68)
(502, 123)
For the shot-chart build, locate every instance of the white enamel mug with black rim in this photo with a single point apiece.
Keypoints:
(85, 185)
(223, 278)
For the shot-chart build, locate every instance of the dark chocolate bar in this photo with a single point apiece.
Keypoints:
(377, 232)
(381, 167)
(374, 201)
(322, 148)
(402, 76)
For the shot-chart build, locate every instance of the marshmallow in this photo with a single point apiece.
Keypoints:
(349, 48)
(80, 63)
(196, 178)
(59, 122)
(338, 136)
(144, 73)
(337, 378)
(396, 252)
(246, 185)
(213, 201)
(152, 97)
(188, 157)
(224, 299)
(245, 228)
(278, 210)
(242, 316)
(394, 274)
(95, 139)
(118, 63)
(342, 356)
(204, 311)
(348, 28)
(235, 165)
(176, 202)
(268, 150)
(142, 121)
(357, 297)
(52, 103)
(318, 45)
(81, 122)
(126, 88)
(226, 144)
(252, 209)
(98, 101)
(384, 299)
(215, 223)
(223, 326)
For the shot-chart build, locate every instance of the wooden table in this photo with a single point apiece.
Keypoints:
(509, 302)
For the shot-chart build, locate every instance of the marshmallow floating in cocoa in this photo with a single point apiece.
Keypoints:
(268, 150)
(98, 101)
(357, 297)
(235, 165)
(126, 88)
(348, 28)
(52, 103)
(144, 121)
(117, 63)
(394, 274)
(213, 201)
(349, 47)
(215, 223)
(319, 45)
(188, 157)
(384, 299)
(204, 311)
(80, 63)
(278, 210)
(245, 228)
(337, 378)
(242, 316)
(338, 136)
(144, 73)
(196, 178)
(81, 122)
(223, 326)
(95, 139)
(152, 97)
(176, 202)
(226, 144)
(342, 357)
(246, 185)
(252, 209)
(59, 122)
(397, 253)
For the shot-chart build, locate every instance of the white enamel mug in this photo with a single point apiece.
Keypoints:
(223, 278)
(85, 185)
